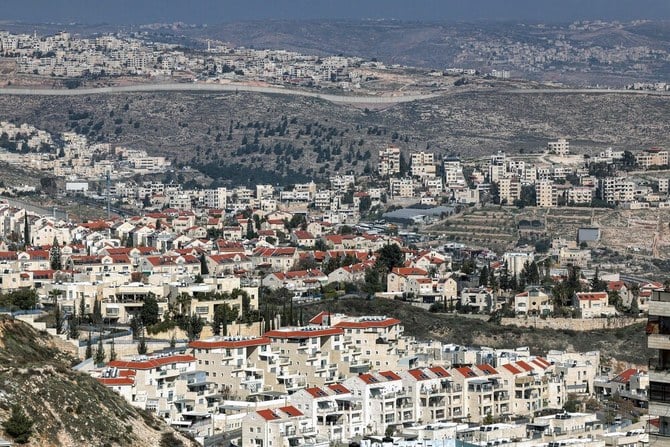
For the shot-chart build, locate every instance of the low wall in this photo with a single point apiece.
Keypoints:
(573, 324)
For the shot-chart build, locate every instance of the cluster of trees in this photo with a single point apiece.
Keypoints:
(388, 257)
(530, 274)
(21, 299)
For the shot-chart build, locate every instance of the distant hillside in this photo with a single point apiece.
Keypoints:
(252, 137)
(67, 408)
(627, 344)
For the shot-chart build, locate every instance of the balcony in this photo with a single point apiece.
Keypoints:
(659, 374)
(659, 304)
(658, 341)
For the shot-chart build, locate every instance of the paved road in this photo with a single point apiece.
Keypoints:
(194, 87)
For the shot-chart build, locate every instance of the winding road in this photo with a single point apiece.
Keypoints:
(195, 87)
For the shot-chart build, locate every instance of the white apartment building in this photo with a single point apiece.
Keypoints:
(617, 189)
(559, 147)
(423, 164)
(389, 161)
(545, 194)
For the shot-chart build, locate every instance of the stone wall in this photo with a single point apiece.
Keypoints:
(574, 324)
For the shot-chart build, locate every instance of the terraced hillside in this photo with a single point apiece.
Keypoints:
(491, 227)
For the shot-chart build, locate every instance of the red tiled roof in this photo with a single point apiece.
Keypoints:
(591, 296)
(418, 374)
(228, 343)
(152, 363)
(116, 381)
(409, 271)
(466, 372)
(625, 376)
(316, 392)
(339, 388)
(439, 371)
(390, 375)
(318, 318)
(268, 415)
(291, 411)
(486, 368)
(509, 367)
(368, 323)
(543, 361)
(303, 333)
(368, 378)
(524, 365)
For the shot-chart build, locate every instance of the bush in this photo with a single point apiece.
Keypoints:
(161, 326)
(19, 426)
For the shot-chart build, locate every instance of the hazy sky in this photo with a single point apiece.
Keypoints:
(218, 11)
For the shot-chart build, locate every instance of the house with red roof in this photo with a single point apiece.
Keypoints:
(386, 402)
(224, 264)
(235, 362)
(283, 426)
(350, 273)
(593, 304)
(169, 387)
(311, 355)
(337, 412)
(279, 259)
(396, 281)
(303, 238)
(434, 394)
(631, 384)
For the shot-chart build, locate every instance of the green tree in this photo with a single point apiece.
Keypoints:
(193, 326)
(142, 346)
(389, 256)
(149, 312)
(89, 347)
(73, 325)
(634, 306)
(484, 276)
(19, 426)
(372, 283)
(96, 316)
(597, 284)
(99, 352)
(55, 256)
(223, 315)
(204, 269)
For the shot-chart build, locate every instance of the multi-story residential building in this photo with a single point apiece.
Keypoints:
(423, 164)
(233, 363)
(401, 187)
(617, 189)
(559, 147)
(509, 189)
(652, 157)
(545, 194)
(337, 412)
(532, 302)
(307, 356)
(389, 161)
(658, 338)
(453, 172)
(480, 299)
(592, 304)
(580, 195)
(280, 427)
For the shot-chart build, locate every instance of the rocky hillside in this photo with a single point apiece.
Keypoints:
(67, 408)
(627, 344)
(249, 138)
